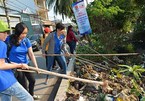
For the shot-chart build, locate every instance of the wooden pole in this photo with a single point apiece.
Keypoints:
(27, 70)
(63, 76)
(121, 54)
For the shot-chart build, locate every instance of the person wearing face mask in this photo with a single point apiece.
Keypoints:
(20, 49)
(57, 45)
(9, 86)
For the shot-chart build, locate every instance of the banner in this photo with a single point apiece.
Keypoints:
(81, 17)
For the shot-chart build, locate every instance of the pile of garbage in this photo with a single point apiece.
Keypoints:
(120, 87)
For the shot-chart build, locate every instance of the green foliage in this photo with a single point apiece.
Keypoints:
(101, 45)
(130, 48)
(127, 26)
(86, 49)
(135, 70)
(103, 8)
(119, 14)
(137, 90)
(143, 98)
(101, 14)
(62, 7)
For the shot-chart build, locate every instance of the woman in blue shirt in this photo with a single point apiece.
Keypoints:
(8, 84)
(20, 49)
(57, 45)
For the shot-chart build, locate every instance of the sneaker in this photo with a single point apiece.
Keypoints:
(36, 97)
(55, 68)
(46, 81)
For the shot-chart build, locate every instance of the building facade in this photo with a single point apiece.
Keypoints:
(42, 11)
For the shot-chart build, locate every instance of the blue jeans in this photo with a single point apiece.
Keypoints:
(15, 90)
(60, 60)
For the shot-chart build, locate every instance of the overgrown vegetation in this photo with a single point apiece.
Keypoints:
(117, 28)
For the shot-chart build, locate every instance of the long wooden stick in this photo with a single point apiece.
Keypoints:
(121, 54)
(27, 70)
(42, 71)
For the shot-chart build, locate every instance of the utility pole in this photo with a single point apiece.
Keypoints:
(87, 2)
(6, 12)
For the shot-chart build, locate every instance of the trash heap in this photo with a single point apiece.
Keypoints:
(120, 87)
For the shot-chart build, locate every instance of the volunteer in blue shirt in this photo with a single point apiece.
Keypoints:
(8, 84)
(57, 45)
(20, 49)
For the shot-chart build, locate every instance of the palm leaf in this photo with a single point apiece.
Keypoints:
(125, 66)
(62, 7)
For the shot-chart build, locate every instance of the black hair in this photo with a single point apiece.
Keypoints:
(60, 26)
(19, 28)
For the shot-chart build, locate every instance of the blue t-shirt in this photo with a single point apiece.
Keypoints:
(18, 54)
(58, 43)
(6, 76)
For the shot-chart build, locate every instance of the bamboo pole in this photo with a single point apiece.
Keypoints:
(27, 70)
(121, 54)
(42, 71)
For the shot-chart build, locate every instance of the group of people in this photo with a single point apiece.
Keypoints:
(20, 48)
(14, 51)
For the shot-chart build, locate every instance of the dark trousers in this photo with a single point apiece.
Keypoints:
(60, 60)
(54, 63)
(72, 46)
(22, 78)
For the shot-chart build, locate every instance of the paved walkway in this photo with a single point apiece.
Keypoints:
(41, 88)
